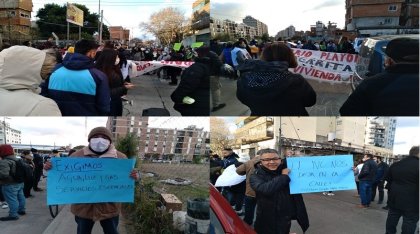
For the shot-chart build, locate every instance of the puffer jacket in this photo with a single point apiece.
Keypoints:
(276, 207)
(97, 211)
(7, 168)
(20, 77)
(268, 88)
(78, 88)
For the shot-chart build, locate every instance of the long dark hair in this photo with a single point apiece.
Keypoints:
(106, 63)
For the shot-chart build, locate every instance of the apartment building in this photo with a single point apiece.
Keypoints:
(261, 28)
(9, 135)
(118, 33)
(15, 20)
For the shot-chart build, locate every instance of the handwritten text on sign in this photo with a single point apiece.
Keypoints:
(321, 173)
(90, 180)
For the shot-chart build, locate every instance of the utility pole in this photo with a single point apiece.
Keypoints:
(99, 23)
(100, 28)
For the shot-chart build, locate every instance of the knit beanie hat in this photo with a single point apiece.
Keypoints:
(6, 150)
(100, 131)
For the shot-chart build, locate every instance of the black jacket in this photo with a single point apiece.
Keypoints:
(368, 172)
(195, 83)
(268, 88)
(117, 90)
(394, 92)
(276, 207)
(403, 185)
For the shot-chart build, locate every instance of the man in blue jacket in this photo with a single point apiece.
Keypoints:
(76, 86)
(366, 179)
(379, 179)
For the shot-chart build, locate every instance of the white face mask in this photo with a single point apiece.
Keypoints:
(99, 144)
(117, 61)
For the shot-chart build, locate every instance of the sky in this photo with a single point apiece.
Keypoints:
(407, 133)
(63, 131)
(279, 15)
(126, 13)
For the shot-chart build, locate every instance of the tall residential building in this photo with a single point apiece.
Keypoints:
(201, 20)
(183, 143)
(235, 30)
(287, 33)
(378, 17)
(9, 135)
(15, 20)
(380, 132)
(260, 26)
(118, 33)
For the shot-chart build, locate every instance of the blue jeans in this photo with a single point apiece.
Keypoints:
(250, 203)
(13, 194)
(410, 220)
(365, 192)
(109, 226)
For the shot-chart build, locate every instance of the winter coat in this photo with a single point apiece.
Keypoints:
(117, 90)
(381, 171)
(97, 211)
(395, 92)
(195, 83)
(20, 77)
(403, 185)
(78, 88)
(368, 172)
(229, 160)
(276, 207)
(268, 88)
(7, 168)
(248, 169)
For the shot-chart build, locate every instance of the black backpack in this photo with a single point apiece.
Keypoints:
(22, 172)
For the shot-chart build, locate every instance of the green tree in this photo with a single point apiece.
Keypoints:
(265, 37)
(128, 145)
(52, 18)
(224, 37)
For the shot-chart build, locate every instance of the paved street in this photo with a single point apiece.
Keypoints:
(150, 92)
(329, 99)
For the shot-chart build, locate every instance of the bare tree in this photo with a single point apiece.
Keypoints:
(220, 136)
(167, 25)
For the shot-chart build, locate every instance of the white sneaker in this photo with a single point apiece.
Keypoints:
(325, 193)
(330, 194)
(4, 205)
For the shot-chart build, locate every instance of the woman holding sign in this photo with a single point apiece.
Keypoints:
(100, 146)
(276, 207)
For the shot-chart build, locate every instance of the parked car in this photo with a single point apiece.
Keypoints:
(223, 219)
(372, 57)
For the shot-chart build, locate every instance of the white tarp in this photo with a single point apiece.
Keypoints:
(229, 177)
(138, 68)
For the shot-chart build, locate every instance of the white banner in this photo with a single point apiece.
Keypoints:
(138, 68)
(325, 66)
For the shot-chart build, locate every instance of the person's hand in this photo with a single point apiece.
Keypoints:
(47, 165)
(285, 171)
(128, 85)
(135, 174)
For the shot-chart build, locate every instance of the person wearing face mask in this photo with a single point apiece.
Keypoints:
(240, 52)
(100, 146)
(108, 62)
(276, 207)
(22, 70)
(77, 86)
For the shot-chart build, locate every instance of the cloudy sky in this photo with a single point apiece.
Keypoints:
(126, 13)
(280, 15)
(74, 130)
(407, 132)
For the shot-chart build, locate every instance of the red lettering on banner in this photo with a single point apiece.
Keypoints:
(312, 72)
(143, 67)
(178, 62)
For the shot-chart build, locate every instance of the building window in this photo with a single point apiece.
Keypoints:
(392, 7)
(388, 21)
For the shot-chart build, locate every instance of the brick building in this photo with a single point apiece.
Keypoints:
(382, 17)
(181, 143)
(15, 20)
(118, 33)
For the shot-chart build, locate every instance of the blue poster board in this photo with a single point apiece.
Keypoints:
(321, 173)
(90, 180)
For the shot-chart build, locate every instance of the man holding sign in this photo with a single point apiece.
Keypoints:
(90, 161)
(276, 207)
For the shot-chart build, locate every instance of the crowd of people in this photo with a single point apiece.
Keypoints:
(20, 175)
(266, 189)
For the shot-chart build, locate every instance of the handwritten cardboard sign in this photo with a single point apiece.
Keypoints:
(90, 180)
(321, 173)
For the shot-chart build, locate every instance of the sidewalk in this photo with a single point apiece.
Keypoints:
(146, 93)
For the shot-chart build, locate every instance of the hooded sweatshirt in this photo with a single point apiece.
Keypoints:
(20, 77)
(268, 88)
(78, 88)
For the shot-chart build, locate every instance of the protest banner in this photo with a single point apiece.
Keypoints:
(90, 180)
(143, 67)
(325, 66)
(229, 177)
(321, 173)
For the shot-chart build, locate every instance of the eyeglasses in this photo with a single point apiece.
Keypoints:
(270, 159)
